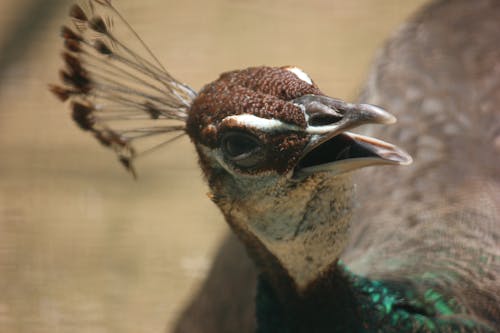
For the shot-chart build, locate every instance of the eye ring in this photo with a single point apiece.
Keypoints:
(244, 149)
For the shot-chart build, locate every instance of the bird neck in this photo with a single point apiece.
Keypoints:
(294, 232)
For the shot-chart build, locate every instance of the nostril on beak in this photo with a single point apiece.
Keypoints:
(320, 115)
(333, 116)
(324, 119)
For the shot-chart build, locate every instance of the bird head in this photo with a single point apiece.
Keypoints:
(276, 151)
(277, 155)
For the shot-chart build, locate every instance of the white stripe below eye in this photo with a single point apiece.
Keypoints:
(261, 124)
(300, 74)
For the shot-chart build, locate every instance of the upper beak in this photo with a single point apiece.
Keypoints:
(333, 149)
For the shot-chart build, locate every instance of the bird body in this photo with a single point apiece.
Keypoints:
(439, 228)
(278, 156)
(296, 228)
(345, 302)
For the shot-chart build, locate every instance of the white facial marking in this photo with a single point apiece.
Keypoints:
(300, 74)
(262, 124)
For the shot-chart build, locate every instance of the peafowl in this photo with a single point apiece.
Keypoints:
(414, 250)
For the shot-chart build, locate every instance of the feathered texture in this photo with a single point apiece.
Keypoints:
(433, 228)
(436, 225)
(118, 89)
(263, 91)
(424, 255)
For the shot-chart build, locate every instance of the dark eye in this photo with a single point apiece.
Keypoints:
(244, 149)
(237, 144)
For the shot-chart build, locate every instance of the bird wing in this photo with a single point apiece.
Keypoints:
(439, 220)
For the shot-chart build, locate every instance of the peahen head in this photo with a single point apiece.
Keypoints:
(277, 155)
(275, 150)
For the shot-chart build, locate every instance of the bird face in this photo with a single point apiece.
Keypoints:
(264, 124)
(277, 156)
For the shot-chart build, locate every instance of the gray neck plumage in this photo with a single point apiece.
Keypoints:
(294, 232)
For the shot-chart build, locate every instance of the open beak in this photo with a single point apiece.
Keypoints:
(332, 148)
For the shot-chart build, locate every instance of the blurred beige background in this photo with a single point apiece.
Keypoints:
(83, 247)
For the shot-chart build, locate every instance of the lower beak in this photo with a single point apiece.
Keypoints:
(347, 152)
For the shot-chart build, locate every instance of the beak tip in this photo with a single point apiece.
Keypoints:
(408, 161)
(404, 158)
(385, 117)
(379, 115)
(391, 119)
